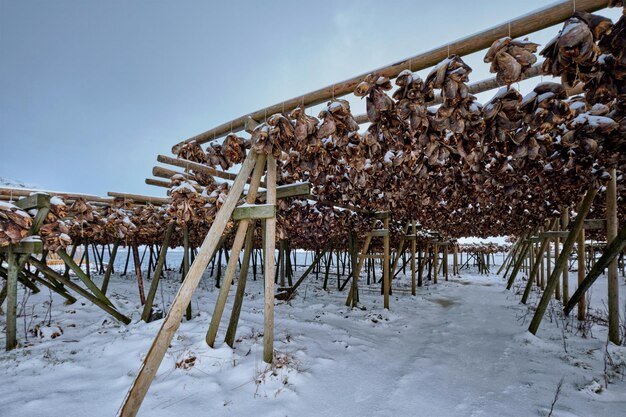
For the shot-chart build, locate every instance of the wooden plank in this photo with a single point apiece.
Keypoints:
(595, 224)
(29, 246)
(552, 234)
(386, 266)
(254, 211)
(531, 22)
(561, 261)
(153, 359)
(299, 189)
(379, 233)
(381, 215)
(36, 200)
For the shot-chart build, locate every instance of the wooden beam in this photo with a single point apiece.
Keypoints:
(29, 246)
(613, 281)
(379, 233)
(198, 167)
(528, 23)
(561, 261)
(37, 200)
(254, 211)
(153, 359)
(611, 252)
(158, 183)
(140, 198)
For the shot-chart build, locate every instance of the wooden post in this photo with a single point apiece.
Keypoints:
(240, 235)
(445, 261)
(611, 252)
(422, 261)
(582, 308)
(560, 263)
(386, 277)
(188, 312)
(147, 308)
(556, 256)
(241, 286)
(362, 257)
(535, 265)
(153, 359)
(82, 276)
(413, 247)
(11, 324)
(270, 247)
(109, 270)
(354, 253)
(435, 262)
(137, 262)
(613, 282)
(455, 265)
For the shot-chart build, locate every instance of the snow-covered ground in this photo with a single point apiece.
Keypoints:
(459, 348)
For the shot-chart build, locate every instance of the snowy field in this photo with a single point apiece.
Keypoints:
(459, 348)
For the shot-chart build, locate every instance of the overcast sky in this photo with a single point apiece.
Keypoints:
(92, 91)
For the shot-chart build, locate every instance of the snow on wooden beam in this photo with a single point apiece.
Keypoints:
(140, 198)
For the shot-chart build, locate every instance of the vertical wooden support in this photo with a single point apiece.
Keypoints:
(445, 261)
(549, 266)
(188, 312)
(11, 286)
(582, 252)
(386, 277)
(435, 262)
(137, 262)
(153, 359)
(109, 270)
(413, 246)
(422, 261)
(240, 235)
(556, 256)
(354, 260)
(270, 247)
(350, 301)
(560, 263)
(87, 264)
(455, 264)
(565, 286)
(613, 282)
(524, 247)
(241, 286)
(147, 308)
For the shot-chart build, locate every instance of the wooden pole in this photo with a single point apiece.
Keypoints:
(386, 277)
(241, 286)
(560, 263)
(413, 247)
(611, 253)
(613, 281)
(78, 289)
(270, 247)
(11, 286)
(147, 308)
(109, 270)
(153, 359)
(445, 262)
(582, 253)
(188, 312)
(82, 276)
(362, 257)
(531, 22)
(137, 263)
(240, 236)
(565, 286)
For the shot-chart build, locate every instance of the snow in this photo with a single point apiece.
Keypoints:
(459, 348)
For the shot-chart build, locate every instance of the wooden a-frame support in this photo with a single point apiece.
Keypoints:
(170, 324)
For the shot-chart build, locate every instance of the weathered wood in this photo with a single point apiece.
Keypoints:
(565, 285)
(153, 359)
(611, 252)
(554, 234)
(158, 183)
(528, 23)
(270, 247)
(315, 262)
(582, 253)
(560, 263)
(534, 269)
(109, 270)
(386, 272)
(82, 276)
(36, 200)
(299, 189)
(368, 239)
(379, 233)
(139, 198)
(240, 235)
(78, 289)
(413, 247)
(59, 289)
(147, 307)
(525, 246)
(30, 246)
(613, 282)
(254, 211)
(11, 320)
(137, 263)
(231, 331)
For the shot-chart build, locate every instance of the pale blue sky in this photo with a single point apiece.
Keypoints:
(92, 91)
